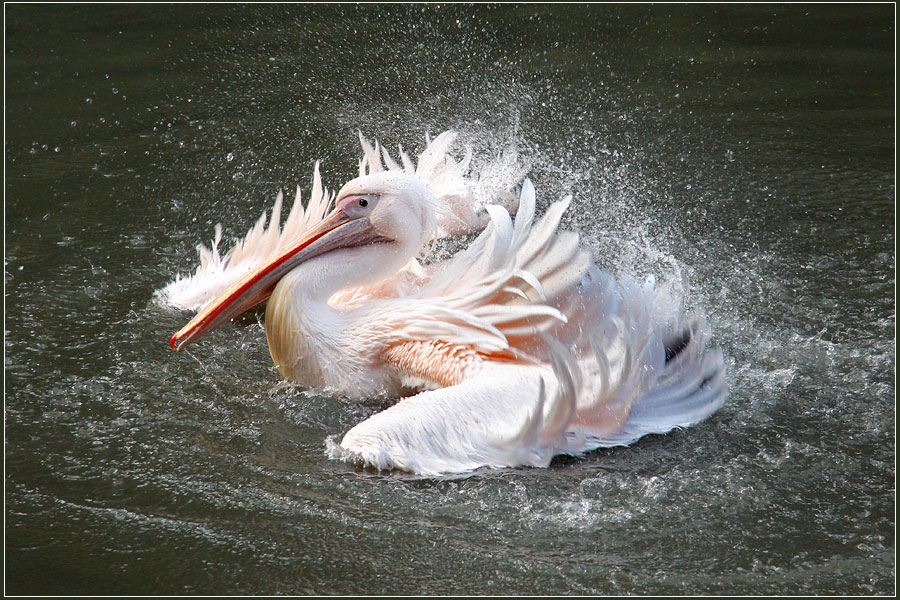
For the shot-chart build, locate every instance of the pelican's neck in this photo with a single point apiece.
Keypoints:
(306, 335)
(318, 279)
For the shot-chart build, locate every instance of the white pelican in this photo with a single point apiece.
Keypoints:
(512, 351)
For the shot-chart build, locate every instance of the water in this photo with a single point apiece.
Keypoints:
(742, 153)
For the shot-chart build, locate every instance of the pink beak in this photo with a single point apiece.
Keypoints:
(336, 230)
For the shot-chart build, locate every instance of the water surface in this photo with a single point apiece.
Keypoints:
(742, 154)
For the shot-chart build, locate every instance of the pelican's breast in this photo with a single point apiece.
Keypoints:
(297, 335)
(312, 344)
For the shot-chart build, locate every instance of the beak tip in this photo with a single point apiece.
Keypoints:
(172, 341)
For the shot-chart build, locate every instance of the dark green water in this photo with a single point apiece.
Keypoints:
(746, 150)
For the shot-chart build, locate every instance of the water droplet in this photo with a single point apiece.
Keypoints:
(230, 157)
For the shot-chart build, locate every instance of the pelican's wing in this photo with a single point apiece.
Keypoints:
(536, 353)
(217, 271)
(497, 296)
(499, 414)
(508, 413)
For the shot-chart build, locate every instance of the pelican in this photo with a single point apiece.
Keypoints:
(510, 352)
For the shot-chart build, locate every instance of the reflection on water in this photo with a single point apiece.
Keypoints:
(743, 152)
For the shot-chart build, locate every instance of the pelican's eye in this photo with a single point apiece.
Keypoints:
(358, 205)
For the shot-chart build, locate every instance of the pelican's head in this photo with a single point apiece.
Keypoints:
(391, 209)
(397, 205)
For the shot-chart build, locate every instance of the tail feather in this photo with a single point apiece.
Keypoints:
(637, 379)
(690, 400)
(675, 344)
(686, 394)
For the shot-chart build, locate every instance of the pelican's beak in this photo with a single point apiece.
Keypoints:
(337, 230)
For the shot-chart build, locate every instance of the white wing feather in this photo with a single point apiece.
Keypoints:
(216, 271)
(494, 289)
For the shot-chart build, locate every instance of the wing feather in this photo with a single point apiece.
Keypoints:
(471, 290)
(217, 271)
(495, 413)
